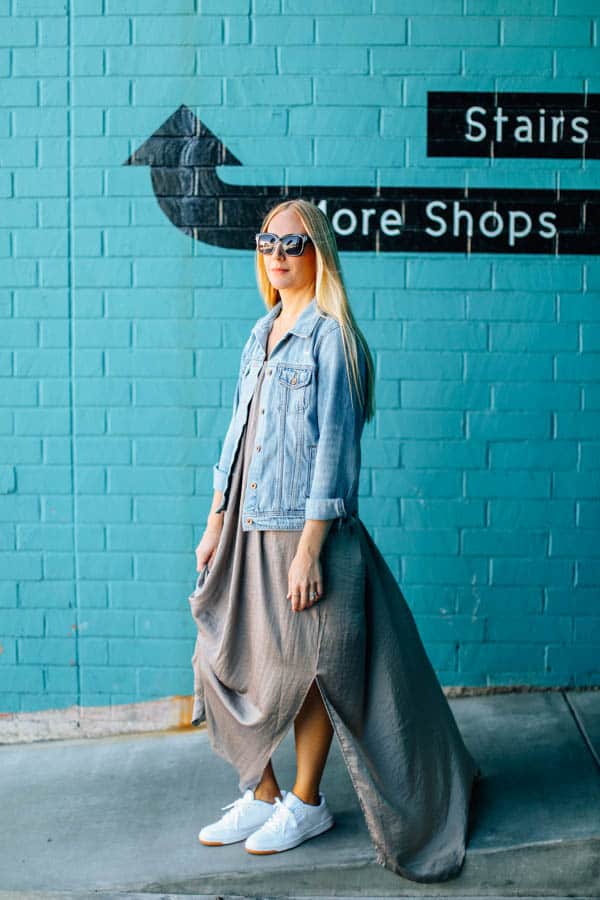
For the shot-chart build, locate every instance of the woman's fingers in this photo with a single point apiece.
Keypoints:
(295, 596)
(300, 595)
(306, 601)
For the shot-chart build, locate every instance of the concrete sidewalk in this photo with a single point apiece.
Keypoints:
(120, 815)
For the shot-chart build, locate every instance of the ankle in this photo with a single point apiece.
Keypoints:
(313, 799)
(267, 794)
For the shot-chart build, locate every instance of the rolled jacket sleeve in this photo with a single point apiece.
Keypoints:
(340, 421)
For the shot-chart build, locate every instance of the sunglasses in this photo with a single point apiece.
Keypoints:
(292, 244)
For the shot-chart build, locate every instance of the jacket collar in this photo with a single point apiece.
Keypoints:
(302, 327)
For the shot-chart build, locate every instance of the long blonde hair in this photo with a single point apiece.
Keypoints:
(330, 293)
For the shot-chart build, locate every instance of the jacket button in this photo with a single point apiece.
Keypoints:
(269, 371)
(258, 447)
(253, 485)
(249, 521)
(294, 380)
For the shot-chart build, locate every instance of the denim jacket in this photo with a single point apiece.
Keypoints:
(306, 456)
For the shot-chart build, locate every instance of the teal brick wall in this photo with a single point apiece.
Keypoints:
(120, 335)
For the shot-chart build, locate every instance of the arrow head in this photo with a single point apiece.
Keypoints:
(182, 140)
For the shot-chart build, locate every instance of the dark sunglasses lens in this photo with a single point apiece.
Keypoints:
(293, 245)
(265, 243)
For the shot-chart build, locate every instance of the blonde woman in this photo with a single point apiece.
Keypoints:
(299, 618)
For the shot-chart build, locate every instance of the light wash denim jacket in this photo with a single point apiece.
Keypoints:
(306, 456)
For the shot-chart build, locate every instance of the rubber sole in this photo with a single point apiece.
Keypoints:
(318, 829)
(224, 843)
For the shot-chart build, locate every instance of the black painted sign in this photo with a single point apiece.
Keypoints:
(183, 155)
(470, 123)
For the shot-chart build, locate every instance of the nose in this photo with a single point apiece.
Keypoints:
(279, 252)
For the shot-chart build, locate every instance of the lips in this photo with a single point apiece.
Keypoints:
(279, 270)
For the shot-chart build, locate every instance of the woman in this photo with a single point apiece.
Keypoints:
(299, 617)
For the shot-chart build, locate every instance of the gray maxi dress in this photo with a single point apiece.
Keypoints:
(255, 660)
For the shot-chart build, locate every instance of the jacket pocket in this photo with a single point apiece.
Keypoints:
(294, 377)
(294, 386)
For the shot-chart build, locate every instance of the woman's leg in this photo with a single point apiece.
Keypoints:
(313, 731)
(267, 788)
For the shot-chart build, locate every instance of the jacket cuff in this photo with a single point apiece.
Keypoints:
(219, 479)
(324, 509)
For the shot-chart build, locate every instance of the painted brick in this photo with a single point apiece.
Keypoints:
(433, 513)
(148, 421)
(62, 680)
(444, 395)
(514, 483)
(588, 572)
(589, 513)
(531, 512)
(446, 628)
(120, 336)
(492, 542)
(531, 571)
(533, 455)
(486, 657)
(447, 336)
(44, 537)
(25, 679)
(172, 624)
(162, 680)
(498, 600)
(54, 651)
(146, 651)
(93, 652)
(579, 543)
(22, 622)
(459, 30)
(430, 542)
(578, 366)
(505, 61)
(574, 484)
(576, 425)
(459, 454)
(58, 566)
(147, 537)
(420, 424)
(542, 629)
(90, 537)
(297, 60)
(488, 425)
(583, 658)
(449, 570)
(422, 365)
(104, 680)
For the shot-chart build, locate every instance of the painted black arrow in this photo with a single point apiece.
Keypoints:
(183, 155)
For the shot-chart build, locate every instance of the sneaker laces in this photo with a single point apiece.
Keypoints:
(233, 816)
(280, 817)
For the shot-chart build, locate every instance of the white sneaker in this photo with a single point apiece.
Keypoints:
(244, 816)
(291, 823)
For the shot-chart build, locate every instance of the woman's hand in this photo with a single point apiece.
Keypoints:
(206, 549)
(304, 577)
